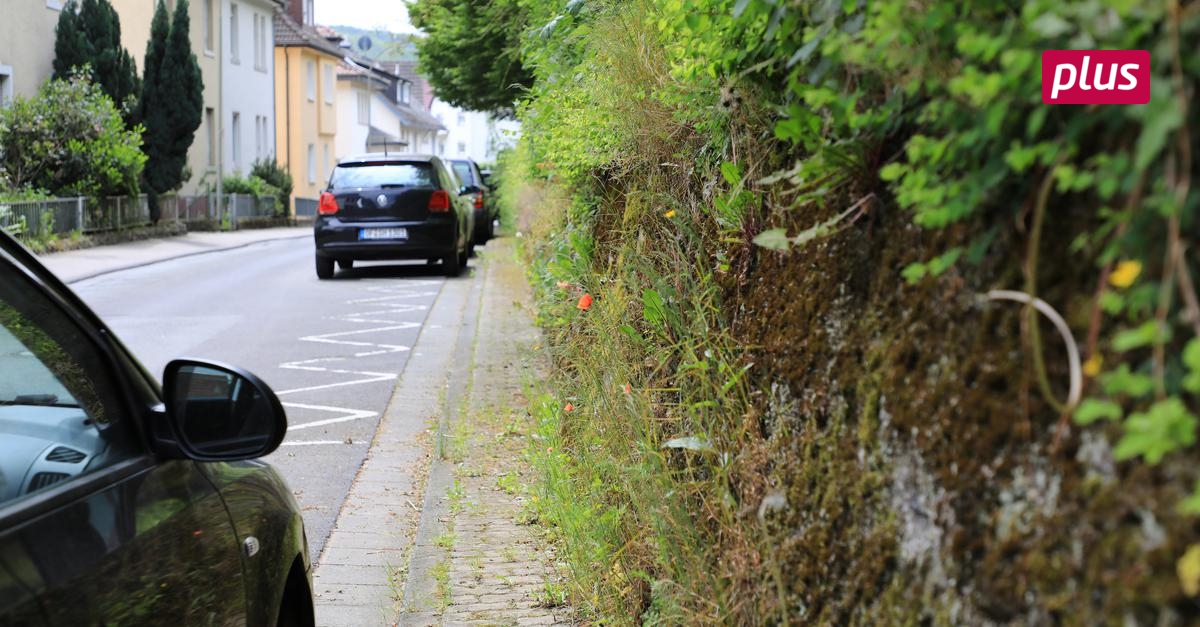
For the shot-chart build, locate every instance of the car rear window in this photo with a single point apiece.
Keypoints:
(463, 168)
(382, 174)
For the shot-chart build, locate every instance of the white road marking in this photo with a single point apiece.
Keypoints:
(349, 414)
(374, 310)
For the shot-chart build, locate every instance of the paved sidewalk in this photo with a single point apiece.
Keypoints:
(77, 265)
(463, 552)
(478, 558)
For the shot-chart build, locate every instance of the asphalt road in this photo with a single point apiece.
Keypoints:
(332, 350)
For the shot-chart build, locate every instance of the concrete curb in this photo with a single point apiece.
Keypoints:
(150, 262)
(355, 577)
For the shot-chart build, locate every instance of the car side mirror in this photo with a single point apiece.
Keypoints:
(468, 189)
(221, 413)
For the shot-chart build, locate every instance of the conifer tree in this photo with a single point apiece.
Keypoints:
(88, 34)
(172, 99)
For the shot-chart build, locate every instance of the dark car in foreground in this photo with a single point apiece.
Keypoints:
(123, 502)
(385, 207)
(480, 193)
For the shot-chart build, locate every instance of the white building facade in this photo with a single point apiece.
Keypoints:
(472, 134)
(247, 85)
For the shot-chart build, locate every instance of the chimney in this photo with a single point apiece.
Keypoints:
(295, 10)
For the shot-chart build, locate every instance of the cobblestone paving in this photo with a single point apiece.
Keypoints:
(480, 561)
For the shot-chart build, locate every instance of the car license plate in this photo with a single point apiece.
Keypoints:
(383, 234)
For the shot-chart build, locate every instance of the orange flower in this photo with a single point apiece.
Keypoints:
(628, 389)
(569, 408)
(585, 301)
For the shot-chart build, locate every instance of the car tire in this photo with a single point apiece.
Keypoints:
(452, 264)
(324, 267)
(345, 264)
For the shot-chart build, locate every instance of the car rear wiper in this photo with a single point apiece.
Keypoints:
(393, 185)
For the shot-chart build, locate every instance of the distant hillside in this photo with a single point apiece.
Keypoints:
(377, 44)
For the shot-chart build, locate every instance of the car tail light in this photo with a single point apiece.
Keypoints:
(479, 200)
(328, 204)
(439, 202)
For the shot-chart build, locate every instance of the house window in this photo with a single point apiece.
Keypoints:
(208, 25)
(210, 123)
(312, 163)
(260, 42)
(268, 142)
(403, 91)
(234, 46)
(462, 118)
(308, 12)
(364, 108)
(328, 84)
(235, 132)
(6, 85)
(462, 148)
(311, 82)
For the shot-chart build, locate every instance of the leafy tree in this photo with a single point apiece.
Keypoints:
(472, 52)
(172, 99)
(88, 35)
(69, 140)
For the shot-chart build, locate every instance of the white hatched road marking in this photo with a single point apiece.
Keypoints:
(383, 310)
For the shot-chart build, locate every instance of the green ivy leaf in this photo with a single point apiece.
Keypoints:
(1092, 410)
(891, 172)
(1112, 303)
(1050, 25)
(914, 272)
(1160, 118)
(1191, 359)
(1150, 333)
(773, 239)
(1124, 382)
(1165, 427)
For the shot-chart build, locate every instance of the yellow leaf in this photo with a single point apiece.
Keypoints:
(669, 214)
(1188, 569)
(1091, 367)
(1125, 273)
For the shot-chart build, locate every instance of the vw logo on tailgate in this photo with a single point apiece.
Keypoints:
(381, 201)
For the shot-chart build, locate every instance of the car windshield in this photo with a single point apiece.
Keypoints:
(382, 174)
(463, 169)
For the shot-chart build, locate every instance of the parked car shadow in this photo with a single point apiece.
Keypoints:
(395, 271)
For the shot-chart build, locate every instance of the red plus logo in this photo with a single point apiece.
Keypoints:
(1096, 76)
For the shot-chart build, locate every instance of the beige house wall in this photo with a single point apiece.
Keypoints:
(205, 22)
(26, 45)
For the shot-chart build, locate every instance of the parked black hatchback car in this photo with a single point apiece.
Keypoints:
(383, 207)
(126, 503)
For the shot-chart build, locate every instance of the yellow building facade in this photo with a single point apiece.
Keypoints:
(305, 106)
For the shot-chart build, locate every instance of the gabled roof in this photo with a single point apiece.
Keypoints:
(414, 117)
(379, 137)
(289, 33)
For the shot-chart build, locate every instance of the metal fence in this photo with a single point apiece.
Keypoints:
(41, 218)
(306, 207)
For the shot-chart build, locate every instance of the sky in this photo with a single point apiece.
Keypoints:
(389, 15)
